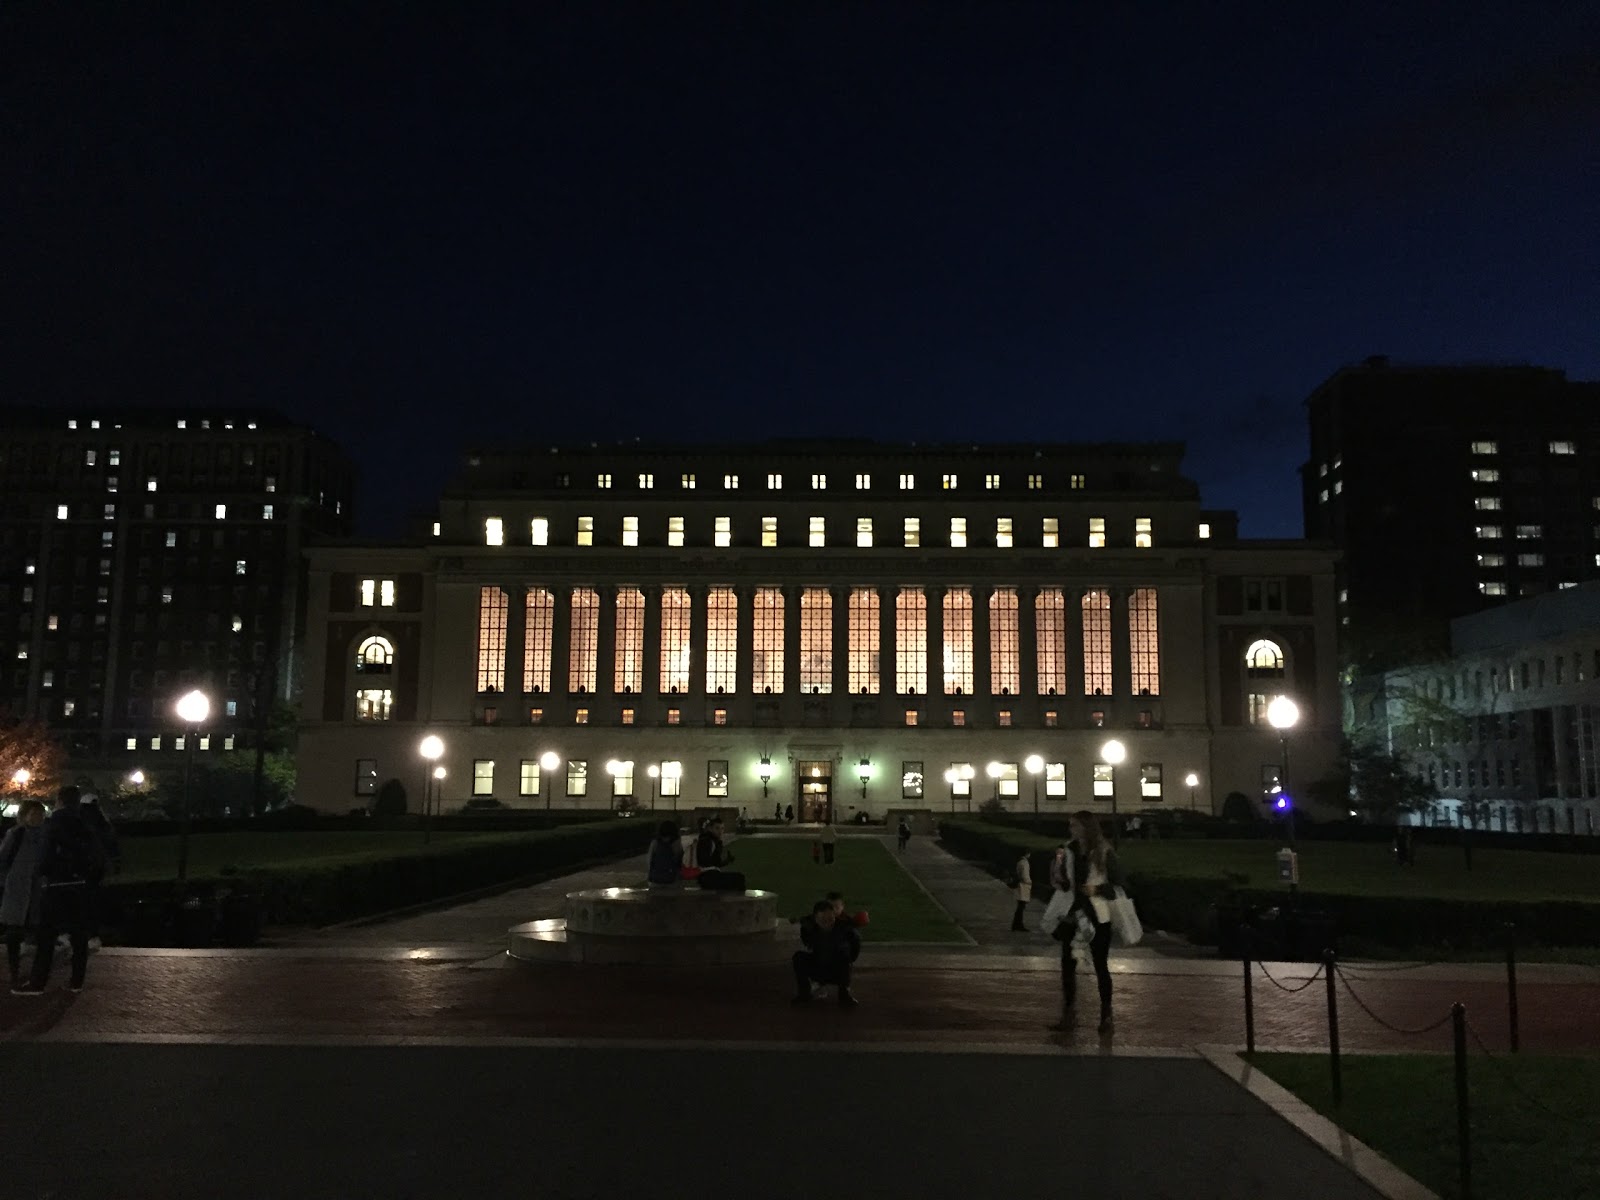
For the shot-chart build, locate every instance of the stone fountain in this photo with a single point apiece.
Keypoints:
(658, 926)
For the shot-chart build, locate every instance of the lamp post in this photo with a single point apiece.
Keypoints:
(952, 777)
(994, 770)
(654, 771)
(967, 776)
(548, 762)
(617, 769)
(432, 750)
(1192, 781)
(672, 771)
(765, 771)
(1282, 714)
(1113, 753)
(136, 778)
(1035, 764)
(864, 770)
(21, 777)
(193, 708)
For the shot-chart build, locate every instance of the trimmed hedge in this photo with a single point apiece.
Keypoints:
(298, 819)
(323, 894)
(1191, 905)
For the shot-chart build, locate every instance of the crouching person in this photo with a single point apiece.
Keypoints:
(832, 946)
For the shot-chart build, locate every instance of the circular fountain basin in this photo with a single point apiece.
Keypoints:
(661, 926)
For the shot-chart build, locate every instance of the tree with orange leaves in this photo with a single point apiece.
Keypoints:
(31, 759)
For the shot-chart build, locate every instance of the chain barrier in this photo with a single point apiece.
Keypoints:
(1283, 987)
(1505, 1073)
(1362, 1005)
(1383, 967)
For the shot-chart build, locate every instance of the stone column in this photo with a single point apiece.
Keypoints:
(744, 669)
(694, 706)
(841, 653)
(982, 684)
(938, 704)
(650, 671)
(1028, 645)
(606, 650)
(887, 660)
(1073, 619)
(1122, 651)
(560, 655)
(792, 705)
(516, 639)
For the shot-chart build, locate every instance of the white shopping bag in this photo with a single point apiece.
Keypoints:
(1055, 912)
(1126, 928)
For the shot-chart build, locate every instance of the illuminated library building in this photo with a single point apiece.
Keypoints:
(846, 628)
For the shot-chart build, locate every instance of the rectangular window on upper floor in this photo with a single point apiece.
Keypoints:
(1052, 533)
(630, 531)
(913, 532)
(603, 479)
(1490, 532)
(674, 531)
(1002, 532)
(1563, 447)
(1485, 475)
(688, 482)
(863, 531)
(1142, 534)
(1097, 532)
(819, 531)
(1492, 588)
(1486, 503)
(949, 483)
(722, 534)
(1204, 530)
(646, 481)
(386, 593)
(774, 482)
(585, 531)
(1530, 560)
(1485, 560)
(819, 483)
(1035, 482)
(539, 531)
(991, 481)
(730, 482)
(1076, 483)
(151, 484)
(907, 482)
(863, 482)
(769, 531)
(436, 528)
(958, 531)
(1486, 447)
(1530, 531)
(222, 512)
(493, 532)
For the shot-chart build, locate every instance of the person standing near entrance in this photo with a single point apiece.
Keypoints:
(1022, 874)
(905, 834)
(830, 840)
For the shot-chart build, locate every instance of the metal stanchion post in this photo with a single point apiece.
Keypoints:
(1458, 1016)
(1511, 986)
(1330, 967)
(1249, 998)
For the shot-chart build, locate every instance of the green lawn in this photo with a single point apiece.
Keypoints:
(863, 870)
(1368, 869)
(1403, 1106)
(150, 858)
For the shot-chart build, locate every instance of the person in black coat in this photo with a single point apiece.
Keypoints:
(72, 864)
(712, 857)
(832, 946)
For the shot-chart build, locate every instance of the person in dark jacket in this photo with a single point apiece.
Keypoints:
(72, 864)
(1092, 875)
(21, 855)
(666, 856)
(712, 857)
(904, 832)
(832, 946)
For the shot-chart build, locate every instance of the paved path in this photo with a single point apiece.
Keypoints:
(420, 1122)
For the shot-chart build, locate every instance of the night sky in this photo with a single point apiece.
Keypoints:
(420, 226)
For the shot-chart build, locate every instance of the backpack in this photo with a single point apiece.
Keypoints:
(75, 853)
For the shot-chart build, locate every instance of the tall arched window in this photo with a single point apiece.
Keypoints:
(375, 656)
(1264, 660)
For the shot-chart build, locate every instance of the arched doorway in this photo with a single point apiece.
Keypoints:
(814, 779)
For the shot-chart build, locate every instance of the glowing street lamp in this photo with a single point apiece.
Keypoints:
(617, 768)
(994, 770)
(1192, 781)
(192, 708)
(1034, 764)
(1112, 754)
(672, 771)
(432, 750)
(654, 771)
(548, 762)
(21, 778)
(765, 771)
(864, 770)
(952, 777)
(136, 778)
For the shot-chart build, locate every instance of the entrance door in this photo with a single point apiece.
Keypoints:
(815, 804)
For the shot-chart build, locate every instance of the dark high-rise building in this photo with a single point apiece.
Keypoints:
(1449, 490)
(144, 552)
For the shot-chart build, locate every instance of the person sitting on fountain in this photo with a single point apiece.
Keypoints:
(666, 855)
(712, 857)
(832, 947)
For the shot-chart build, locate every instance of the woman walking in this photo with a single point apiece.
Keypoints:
(1092, 875)
(1022, 885)
(21, 856)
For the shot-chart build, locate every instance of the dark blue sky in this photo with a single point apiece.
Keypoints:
(417, 226)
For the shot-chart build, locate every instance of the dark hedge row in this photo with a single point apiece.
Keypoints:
(1195, 905)
(321, 895)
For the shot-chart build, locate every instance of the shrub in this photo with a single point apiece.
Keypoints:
(1236, 807)
(391, 800)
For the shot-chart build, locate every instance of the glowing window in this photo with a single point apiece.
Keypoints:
(949, 483)
(374, 704)
(913, 532)
(722, 641)
(960, 776)
(583, 647)
(1150, 781)
(375, 656)
(628, 663)
(769, 531)
(819, 531)
(1050, 631)
(1205, 530)
(1144, 642)
(1055, 779)
(630, 531)
(1530, 531)
(958, 531)
(1102, 781)
(1052, 533)
(1005, 669)
(863, 482)
(958, 642)
(1264, 658)
(1490, 532)
(674, 531)
(528, 783)
(766, 642)
(1142, 536)
(675, 619)
(863, 531)
(1097, 643)
(819, 483)
(1563, 447)
(1002, 532)
(774, 482)
(577, 777)
(1485, 447)
(864, 643)
(539, 531)
(493, 532)
(1486, 503)
(688, 482)
(911, 642)
(386, 593)
(603, 480)
(907, 482)
(540, 614)
(494, 607)
(991, 482)
(722, 532)
(1097, 532)
(730, 482)
(816, 641)
(585, 531)
(646, 481)
(1076, 482)
(1485, 475)
(369, 592)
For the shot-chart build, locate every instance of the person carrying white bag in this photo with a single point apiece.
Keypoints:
(1082, 913)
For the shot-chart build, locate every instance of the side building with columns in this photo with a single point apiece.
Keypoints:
(845, 627)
